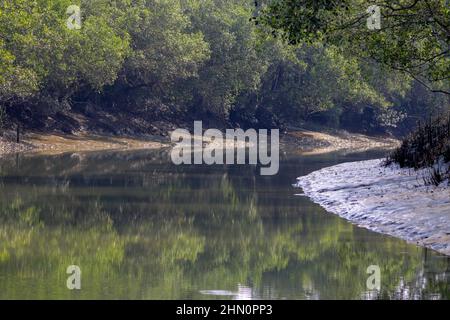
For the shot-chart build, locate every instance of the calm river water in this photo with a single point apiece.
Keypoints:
(141, 228)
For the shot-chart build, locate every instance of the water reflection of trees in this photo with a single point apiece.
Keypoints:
(141, 228)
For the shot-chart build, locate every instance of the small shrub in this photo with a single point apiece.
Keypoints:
(426, 147)
(435, 176)
(423, 147)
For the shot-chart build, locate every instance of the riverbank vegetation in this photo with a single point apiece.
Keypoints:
(428, 146)
(148, 66)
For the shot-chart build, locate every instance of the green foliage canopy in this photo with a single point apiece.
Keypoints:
(414, 35)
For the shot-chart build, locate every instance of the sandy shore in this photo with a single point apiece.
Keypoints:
(60, 143)
(309, 142)
(388, 200)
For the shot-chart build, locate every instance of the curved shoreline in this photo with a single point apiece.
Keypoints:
(387, 200)
(309, 142)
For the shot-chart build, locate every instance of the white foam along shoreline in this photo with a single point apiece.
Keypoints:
(388, 200)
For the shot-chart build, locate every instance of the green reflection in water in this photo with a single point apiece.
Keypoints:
(141, 228)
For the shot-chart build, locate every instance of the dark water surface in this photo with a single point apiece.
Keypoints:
(142, 228)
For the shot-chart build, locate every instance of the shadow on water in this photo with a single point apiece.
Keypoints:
(142, 228)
